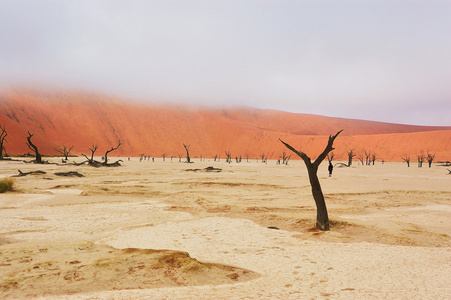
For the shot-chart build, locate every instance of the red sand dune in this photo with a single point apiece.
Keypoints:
(81, 120)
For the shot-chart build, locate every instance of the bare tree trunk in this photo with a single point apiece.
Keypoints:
(322, 218)
(34, 148)
(3, 135)
(188, 159)
(350, 157)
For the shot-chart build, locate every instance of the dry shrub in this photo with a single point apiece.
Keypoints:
(6, 184)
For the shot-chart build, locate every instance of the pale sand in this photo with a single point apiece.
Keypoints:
(389, 239)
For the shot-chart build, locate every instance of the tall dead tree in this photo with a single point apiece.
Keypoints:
(322, 218)
(34, 148)
(64, 151)
(406, 158)
(188, 159)
(351, 155)
(430, 158)
(110, 150)
(3, 135)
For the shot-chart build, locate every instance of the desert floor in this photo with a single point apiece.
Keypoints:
(153, 230)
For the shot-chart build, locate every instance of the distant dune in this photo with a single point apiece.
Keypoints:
(80, 120)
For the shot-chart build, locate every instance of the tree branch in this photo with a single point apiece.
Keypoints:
(329, 148)
(301, 154)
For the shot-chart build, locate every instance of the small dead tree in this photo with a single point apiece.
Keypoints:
(228, 157)
(406, 158)
(420, 158)
(430, 158)
(164, 156)
(105, 163)
(91, 160)
(367, 157)
(93, 150)
(351, 155)
(3, 135)
(188, 159)
(330, 157)
(373, 158)
(361, 158)
(34, 148)
(64, 151)
(285, 158)
(322, 218)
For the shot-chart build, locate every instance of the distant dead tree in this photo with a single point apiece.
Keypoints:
(330, 157)
(406, 158)
(351, 155)
(65, 151)
(263, 158)
(34, 148)
(188, 159)
(3, 135)
(322, 218)
(367, 157)
(361, 158)
(373, 158)
(164, 156)
(285, 158)
(228, 157)
(430, 158)
(105, 163)
(180, 157)
(420, 157)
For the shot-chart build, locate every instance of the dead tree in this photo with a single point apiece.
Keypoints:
(34, 148)
(105, 163)
(360, 157)
(64, 151)
(285, 158)
(322, 218)
(430, 158)
(351, 155)
(367, 157)
(93, 150)
(3, 135)
(373, 158)
(188, 159)
(228, 157)
(406, 158)
(420, 158)
(164, 156)
(91, 160)
(330, 157)
(263, 157)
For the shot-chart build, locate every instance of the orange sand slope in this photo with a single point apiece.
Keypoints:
(81, 120)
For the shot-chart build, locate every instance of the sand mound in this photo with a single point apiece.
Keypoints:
(65, 270)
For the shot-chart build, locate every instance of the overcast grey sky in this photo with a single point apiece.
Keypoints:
(383, 60)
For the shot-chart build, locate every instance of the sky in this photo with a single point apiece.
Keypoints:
(381, 60)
